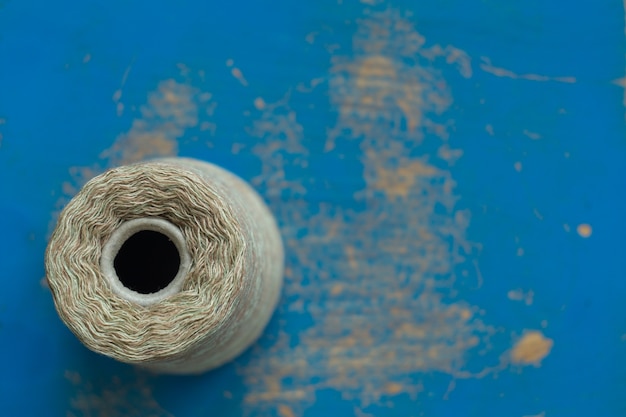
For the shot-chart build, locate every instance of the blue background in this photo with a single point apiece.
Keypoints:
(427, 162)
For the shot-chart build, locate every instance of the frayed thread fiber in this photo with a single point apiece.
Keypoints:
(228, 283)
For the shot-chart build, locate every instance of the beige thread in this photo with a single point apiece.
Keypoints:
(228, 294)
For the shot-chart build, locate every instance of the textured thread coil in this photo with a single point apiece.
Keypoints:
(228, 295)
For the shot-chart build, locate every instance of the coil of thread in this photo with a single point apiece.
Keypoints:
(174, 265)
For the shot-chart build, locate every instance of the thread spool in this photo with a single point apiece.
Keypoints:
(174, 265)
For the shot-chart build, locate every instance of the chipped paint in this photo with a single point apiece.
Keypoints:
(531, 135)
(285, 411)
(371, 281)
(521, 295)
(259, 103)
(377, 283)
(117, 95)
(128, 397)
(398, 182)
(531, 348)
(584, 230)
(279, 139)
(170, 110)
(489, 68)
(236, 72)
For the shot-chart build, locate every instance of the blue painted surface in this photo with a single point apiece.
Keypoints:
(62, 62)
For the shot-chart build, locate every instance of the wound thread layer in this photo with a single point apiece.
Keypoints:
(228, 282)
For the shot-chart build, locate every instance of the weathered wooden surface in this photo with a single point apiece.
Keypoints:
(448, 177)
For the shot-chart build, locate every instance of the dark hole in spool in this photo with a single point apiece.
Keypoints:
(147, 262)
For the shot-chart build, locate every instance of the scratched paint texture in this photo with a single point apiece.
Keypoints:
(444, 179)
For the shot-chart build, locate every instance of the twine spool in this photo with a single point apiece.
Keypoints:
(175, 265)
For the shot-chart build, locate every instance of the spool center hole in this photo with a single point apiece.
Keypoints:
(147, 262)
